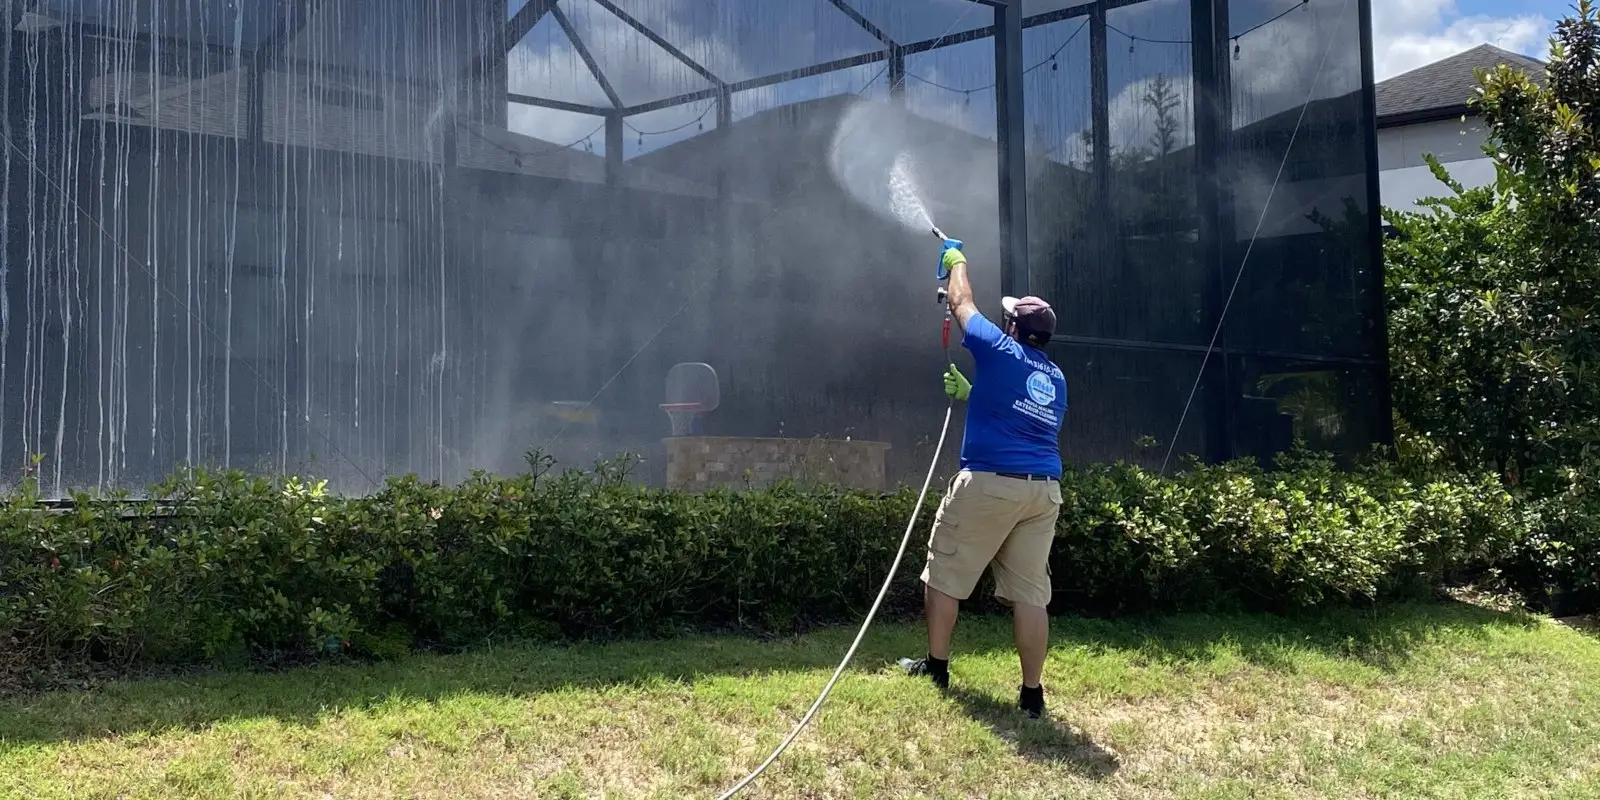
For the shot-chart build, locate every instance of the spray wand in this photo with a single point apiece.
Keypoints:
(944, 296)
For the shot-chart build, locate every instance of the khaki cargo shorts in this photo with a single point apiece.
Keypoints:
(987, 520)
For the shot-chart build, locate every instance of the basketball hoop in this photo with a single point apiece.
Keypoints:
(692, 390)
(682, 416)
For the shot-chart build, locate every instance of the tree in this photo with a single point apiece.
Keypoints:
(1493, 291)
(1164, 100)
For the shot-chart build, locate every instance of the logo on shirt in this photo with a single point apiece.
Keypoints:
(1040, 389)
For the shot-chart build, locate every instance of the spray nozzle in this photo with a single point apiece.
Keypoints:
(939, 233)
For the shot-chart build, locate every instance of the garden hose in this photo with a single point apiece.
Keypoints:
(888, 581)
(911, 525)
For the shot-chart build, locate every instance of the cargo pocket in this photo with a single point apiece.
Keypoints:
(942, 540)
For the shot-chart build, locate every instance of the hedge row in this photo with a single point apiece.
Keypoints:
(225, 566)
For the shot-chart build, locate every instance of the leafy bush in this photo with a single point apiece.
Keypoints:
(233, 568)
(1493, 336)
(1557, 565)
(1300, 536)
(225, 566)
(1490, 290)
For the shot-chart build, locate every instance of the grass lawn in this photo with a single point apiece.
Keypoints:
(1445, 701)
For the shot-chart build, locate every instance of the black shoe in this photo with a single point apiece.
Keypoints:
(1031, 701)
(938, 671)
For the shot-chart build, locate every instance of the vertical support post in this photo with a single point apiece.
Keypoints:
(1208, 30)
(614, 146)
(487, 88)
(897, 73)
(451, 289)
(449, 412)
(486, 69)
(729, 241)
(1012, 136)
(1100, 103)
(1378, 307)
(1105, 241)
(724, 126)
(597, 250)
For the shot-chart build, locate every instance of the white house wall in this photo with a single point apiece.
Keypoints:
(1449, 140)
(1404, 177)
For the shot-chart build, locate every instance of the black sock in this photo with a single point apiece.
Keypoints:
(939, 667)
(1032, 698)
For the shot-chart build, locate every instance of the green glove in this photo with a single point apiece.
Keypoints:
(951, 256)
(955, 384)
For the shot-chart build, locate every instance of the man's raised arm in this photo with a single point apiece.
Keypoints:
(959, 294)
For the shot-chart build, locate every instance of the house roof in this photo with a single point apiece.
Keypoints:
(1440, 90)
(387, 119)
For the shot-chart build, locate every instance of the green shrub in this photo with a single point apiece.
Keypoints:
(1126, 540)
(225, 567)
(1300, 536)
(1557, 565)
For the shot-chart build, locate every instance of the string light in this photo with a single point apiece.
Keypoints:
(516, 156)
(698, 122)
(1051, 60)
(1133, 42)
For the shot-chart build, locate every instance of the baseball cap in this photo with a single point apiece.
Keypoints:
(1035, 319)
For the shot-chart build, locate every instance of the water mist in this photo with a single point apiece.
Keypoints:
(904, 198)
(872, 158)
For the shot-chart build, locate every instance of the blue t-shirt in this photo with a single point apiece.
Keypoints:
(1016, 407)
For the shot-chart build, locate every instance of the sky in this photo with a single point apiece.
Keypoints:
(1410, 33)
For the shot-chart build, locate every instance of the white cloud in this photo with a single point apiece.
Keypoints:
(1407, 35)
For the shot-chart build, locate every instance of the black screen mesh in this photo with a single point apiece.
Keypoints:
(357, 238)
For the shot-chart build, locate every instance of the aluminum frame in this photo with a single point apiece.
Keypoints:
(1380, 309)
(1212, 103)
(1011, 135)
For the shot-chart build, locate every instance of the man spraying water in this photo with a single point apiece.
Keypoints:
(1000, 510)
